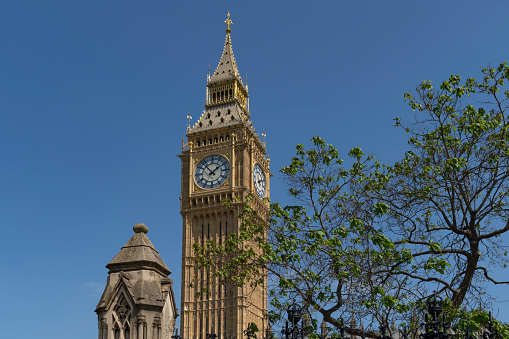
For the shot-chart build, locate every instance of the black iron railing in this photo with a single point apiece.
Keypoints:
(434, 326)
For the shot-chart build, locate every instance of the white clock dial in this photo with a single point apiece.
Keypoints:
(259, 181)
(212, 171)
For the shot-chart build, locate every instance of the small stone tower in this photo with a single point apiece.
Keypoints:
(138, 301)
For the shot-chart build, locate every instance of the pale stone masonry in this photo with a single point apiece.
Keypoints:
(223, 158)
(138, 301)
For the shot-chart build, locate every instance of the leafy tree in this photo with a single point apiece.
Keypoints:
(323, 252)
(369, 241)
(476, 321)
(449, 196)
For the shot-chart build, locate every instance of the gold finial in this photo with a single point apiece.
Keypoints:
(189, 117)
(228, 22)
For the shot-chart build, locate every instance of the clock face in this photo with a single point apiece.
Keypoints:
(259, 180)
(212, 171)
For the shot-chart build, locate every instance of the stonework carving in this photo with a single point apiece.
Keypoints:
(168, 331)
(122, 310)
(157, 322)
(139, 292)
(124, 275)
(140, 321)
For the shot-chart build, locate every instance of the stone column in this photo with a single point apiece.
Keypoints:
(156, 328)
(103, 331)
(140, 324)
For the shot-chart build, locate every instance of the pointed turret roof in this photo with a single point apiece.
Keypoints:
(138, 252)
(227, 66)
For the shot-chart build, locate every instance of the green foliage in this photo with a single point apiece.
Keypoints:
(325, 251)
(475, 320)
(370, 240)
(450, 192)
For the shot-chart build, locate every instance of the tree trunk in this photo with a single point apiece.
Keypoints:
(459, 295)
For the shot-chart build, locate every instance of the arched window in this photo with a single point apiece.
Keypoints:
(121, 317)
(116, 332)
(127, 332)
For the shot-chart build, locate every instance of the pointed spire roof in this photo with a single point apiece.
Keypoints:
(227, 67)
(138, 252)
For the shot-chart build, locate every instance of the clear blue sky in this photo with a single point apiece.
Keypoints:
(93, 103)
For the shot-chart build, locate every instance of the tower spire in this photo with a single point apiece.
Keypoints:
(227, 99)
(227, 66)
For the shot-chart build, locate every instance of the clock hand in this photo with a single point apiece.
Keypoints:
(214, 171)
(207, 167)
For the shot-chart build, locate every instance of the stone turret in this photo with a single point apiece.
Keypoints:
(138, 300)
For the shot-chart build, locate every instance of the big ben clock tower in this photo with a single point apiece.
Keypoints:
(222, 159)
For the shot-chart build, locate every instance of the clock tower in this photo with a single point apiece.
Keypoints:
(223, 158)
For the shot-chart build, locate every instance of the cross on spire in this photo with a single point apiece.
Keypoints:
(228, 22)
